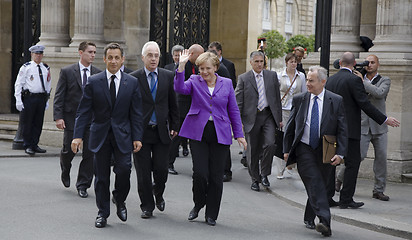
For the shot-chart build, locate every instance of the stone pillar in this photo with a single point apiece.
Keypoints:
(394, 27)
(345, 26)
(55, 17)
(88, 22)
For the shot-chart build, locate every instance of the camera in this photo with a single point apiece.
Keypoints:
(359, 66)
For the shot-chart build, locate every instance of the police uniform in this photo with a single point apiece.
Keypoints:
(32, 90)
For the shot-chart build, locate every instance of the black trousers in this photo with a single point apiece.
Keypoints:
(85, 175)
(122, 169)
(352, 164)
(152, 157)
(314, 175)
(174, 146)
(33, 115)
(208, 158)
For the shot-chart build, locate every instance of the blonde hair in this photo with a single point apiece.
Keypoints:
(208, 56)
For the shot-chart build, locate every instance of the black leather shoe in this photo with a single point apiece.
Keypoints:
(227, 178)
(333, 203)
(193, 214)
(29, 151)
(160, 204)
(65, 177)
(185, 152)
(380, 196)
(82, 192)
(121, 211)
(323, 229)
(100, 222)
(37, 149)
(352, 204)
(172, 171)
(210, 221)
(309, 224)
(243, 161)
(146, 214)
(255, 186)
(265, 181)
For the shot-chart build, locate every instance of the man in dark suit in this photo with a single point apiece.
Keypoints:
(355, 99)
(112, 102)
(69, 91)
(314, 114)
(258, 98)
(160, 123)
(176, 50)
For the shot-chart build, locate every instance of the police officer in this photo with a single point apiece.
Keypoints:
(32, 91)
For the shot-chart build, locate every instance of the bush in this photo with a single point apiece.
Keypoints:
(276, 45)
(301, 40)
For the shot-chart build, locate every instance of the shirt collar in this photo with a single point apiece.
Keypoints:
(221, 58)
(109, 74)
(320, 96)
(148, 72)
(284, 73)
(346, 68)
(83, 67)
(376, 75)
(255, 73)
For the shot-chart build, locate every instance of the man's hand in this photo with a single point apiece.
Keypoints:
(76, 144)
(242, 142)
(19, 106)
(393, 122)
(137, 145)
(285, 156)
(336, 160)
(60, 124)
(281, 125)
(173, 133)
(357, 73)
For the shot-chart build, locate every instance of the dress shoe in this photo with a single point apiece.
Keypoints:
(210, 221)
(146, 214)
(185, 152)
(160, 204)
(37, 149)
(82, 192)
(121, 211)
(309, 224)
(100, 222)
(265, 181)
(255, 186)
(172, 171)
(380, 196)
(338, 185)
(243, 161)
(65, 177)
(323, 229)
(227, 178)
(193, 214)
(352, 204)
(333, 203)
(29, 151)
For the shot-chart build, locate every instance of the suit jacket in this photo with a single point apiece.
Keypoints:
(171, 66)
(125, 120)
(165, 103)
(127, 70)
(221, 105)
(355, 99)
(247, 97)
(222, 71)
(184, 101)
(231, 68)
(333, 122)
(69, 91)
(377, 96)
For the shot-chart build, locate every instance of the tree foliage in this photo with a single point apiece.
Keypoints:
(300, 40)
(276, 44)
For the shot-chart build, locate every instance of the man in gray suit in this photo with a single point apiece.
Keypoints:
(258, 98)
(69, 91)
(377, 87)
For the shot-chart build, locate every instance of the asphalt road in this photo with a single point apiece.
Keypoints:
(35, 205)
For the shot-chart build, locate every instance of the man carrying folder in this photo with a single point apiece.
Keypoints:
(314, 114)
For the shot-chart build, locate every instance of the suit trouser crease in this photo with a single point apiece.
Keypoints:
(209, 158)
(352, 163)
(33, 116)
(261, 139)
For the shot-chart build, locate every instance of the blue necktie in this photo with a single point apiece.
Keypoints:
(153, 89)
(314, 125)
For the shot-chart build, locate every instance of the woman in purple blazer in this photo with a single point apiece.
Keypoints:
(213, 113)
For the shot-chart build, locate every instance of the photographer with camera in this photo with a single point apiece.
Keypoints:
(355, 99)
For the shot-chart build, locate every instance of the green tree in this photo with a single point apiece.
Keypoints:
(276, 44)
(301, 40)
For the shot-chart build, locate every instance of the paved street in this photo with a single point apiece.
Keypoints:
(35, 205)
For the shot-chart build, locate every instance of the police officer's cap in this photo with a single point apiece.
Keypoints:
(37, 49)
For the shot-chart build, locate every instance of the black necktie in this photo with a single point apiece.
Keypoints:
(113, 90)
(84, 77)
(41, 78)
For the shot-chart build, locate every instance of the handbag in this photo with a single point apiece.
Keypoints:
(329, 148)
(279, 143)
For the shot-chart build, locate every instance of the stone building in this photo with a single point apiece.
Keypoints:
(236, 24)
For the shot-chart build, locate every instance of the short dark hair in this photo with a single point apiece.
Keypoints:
(217, 45)
(83, 45)
(113, 46)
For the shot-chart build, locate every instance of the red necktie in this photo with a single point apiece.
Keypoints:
(193, 69)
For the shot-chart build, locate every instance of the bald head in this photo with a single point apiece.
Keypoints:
(194, 51)
(347, 60)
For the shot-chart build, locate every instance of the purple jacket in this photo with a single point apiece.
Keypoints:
(221, 105)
